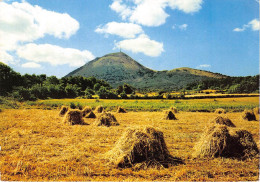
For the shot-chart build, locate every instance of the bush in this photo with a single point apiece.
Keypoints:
(24, 94)
(123, 95)
(72, 105)
(103, 93)
(72, 91)
(39, 91)
(89, 92)
(88, 96)
(7, 103)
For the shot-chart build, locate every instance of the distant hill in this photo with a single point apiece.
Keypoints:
(119, 68)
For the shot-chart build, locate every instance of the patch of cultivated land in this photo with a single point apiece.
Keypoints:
(37, 145)
(229, 104)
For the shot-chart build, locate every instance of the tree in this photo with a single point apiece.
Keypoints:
(119, 89)
(39, 91)
(104, 93)
(128, 89)
(8, 79)
(89, 93)
(72, 91)
(52, 80)
(123, 95)
(235, 89)
(24, 94)
(97, 86)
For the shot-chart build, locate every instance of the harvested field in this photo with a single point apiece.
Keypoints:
(36, 145)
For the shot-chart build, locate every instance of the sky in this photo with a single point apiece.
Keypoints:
(55, 37)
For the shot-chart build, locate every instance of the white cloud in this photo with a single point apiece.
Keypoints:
(204, 66)
(239, 29)
(187, 6)
(152, 12)
(54, 55)
(125, 30)
(120, 8)
(183, 27)
(142, 44)
(31, 65)
(22, 22)
(254, 25)
(6, 58)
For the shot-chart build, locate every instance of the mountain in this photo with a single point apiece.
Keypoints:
(119, 68)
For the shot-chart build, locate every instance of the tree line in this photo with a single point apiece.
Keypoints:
(248, 84)
(32, 87)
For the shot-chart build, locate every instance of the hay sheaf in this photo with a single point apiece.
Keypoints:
(63, 110)
(121, 110)
(256, 110)
(248, 115)
(222, 121)
(106, 119)
(86, 110)
(91, 114)
(99, 109)
(220, 111)
(168, 115)
(174, 109)
(73, 117)
(223, 141)
(141, 148)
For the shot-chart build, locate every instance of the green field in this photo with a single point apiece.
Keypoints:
(191, 105)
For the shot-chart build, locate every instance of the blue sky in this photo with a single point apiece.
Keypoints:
(55, 37)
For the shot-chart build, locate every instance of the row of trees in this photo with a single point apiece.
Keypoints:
(32, 87)
(247, 84)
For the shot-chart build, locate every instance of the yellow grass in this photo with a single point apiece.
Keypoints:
(36, 145)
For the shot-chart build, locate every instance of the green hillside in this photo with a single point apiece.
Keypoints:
(119, 68)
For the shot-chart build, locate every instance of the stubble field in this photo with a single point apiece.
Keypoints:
(37, 145)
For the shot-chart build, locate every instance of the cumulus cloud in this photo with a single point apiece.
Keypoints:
(22, 22)
(141, 44)
(6, 58)
(31, 65)
(152, 12)
(54, 55)
(125, 30)
(187, 6)
(254, 25)
(120, 8)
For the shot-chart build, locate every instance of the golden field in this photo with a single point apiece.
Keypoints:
(37, 145)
